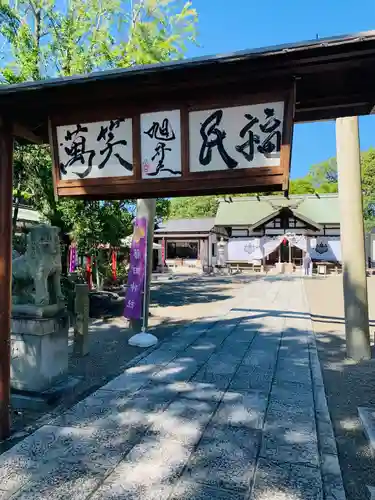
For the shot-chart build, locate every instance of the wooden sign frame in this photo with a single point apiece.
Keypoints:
(275, 178)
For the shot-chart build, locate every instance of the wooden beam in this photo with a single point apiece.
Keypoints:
(6, 198)
(25, 133)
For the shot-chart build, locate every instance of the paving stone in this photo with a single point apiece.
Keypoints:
(327, 441)
(196, 390)
(133, 378)
(321, 407)
(159, 357)
(21, 463)
(264, 360)
(219, 376)
(184, 420)
(242, 409)
(98, 449)
(282, 415)
(280, 481)
(296, 444)
(191, 490)
(252, 378)
(135, 409)
(300, 376)
(172, 414)
(180, 369)
(228, 355)
(332, 479)
(62, 481)
(292, 394)
(200, 351)
(147, 473)
(225, 457)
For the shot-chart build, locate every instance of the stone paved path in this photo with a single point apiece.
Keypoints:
(230, 408)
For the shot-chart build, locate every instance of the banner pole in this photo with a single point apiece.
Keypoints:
(145, 208)
(144, 303)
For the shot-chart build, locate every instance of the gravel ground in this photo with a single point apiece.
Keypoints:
(347, 384)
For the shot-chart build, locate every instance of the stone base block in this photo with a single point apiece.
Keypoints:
(280, 267)
(288, 268)
(39, 349)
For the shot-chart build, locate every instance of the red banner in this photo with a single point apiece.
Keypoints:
(89, 271)
(114, 265)
(163, 252)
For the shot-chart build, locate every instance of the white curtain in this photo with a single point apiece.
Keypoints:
(252, 249)
(297, 240)
(326, 248)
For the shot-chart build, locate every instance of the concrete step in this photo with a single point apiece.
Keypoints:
(367, 417)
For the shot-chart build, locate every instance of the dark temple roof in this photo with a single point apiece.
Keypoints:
(334, 77)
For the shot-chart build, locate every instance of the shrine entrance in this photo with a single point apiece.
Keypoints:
(216, 125)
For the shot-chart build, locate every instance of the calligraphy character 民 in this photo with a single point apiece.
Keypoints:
(107, 134)
(77, 151)
(213, 137)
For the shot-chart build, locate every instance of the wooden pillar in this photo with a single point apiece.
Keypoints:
(290, 252)
(81, 326)
(6, 199)
(352, 239)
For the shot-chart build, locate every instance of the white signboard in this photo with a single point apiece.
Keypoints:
(94, 150)
(236, 137)
(161, 145)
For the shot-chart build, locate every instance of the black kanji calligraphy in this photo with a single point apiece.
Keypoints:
(77, 151)
(254, 141)
(213, 137)
(248, 147)
(106, 134)
(163, 132)
(160, 152)
(272, 143)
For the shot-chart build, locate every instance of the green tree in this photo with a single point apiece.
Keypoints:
(302, 185)
(323, 173)
(46, 38)
(368, 187)
(194, 207)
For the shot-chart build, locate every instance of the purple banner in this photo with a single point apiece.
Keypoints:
(136, 278)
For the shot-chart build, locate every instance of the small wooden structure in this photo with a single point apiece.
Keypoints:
(322, 79)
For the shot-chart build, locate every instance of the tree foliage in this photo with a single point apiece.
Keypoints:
(48, 38)
(194, 207)
(321, 178)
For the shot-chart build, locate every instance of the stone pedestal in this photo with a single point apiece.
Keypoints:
(288, 268)
(39, 351)
(280, 267)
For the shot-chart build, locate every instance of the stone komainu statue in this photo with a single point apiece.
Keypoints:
(36, 274)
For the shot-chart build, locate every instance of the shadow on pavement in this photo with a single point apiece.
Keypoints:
(184, 425)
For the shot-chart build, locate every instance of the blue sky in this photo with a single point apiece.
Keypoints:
(227, 26)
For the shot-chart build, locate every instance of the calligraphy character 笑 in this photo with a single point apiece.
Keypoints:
(107, 134)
